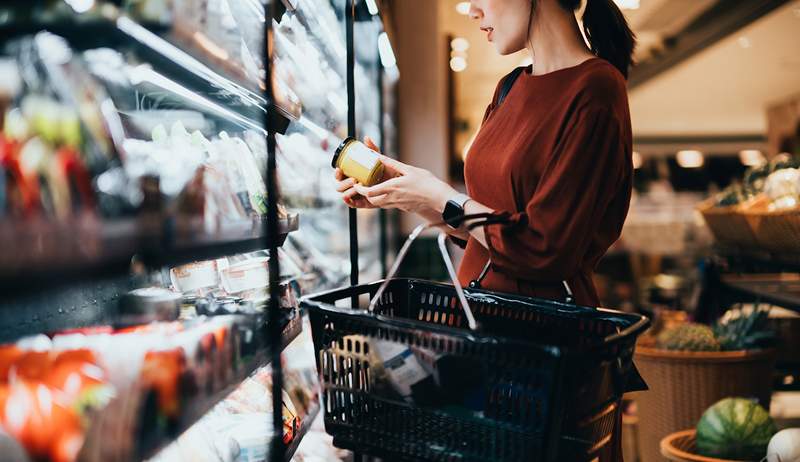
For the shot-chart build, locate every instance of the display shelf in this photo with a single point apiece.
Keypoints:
(758, 260)
(777, 289)
(235, 98)
(53, 253)
(198, 409)
(301, 432)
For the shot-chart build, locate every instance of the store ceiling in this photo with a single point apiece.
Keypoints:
(722, 90)
(726, 88)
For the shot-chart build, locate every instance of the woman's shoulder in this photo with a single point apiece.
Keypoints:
(600, 84)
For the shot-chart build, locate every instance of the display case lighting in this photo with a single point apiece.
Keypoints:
(372, 7)
(80, 6)
(385, 51)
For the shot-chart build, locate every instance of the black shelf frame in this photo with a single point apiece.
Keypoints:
(732, 276)
(51, 255)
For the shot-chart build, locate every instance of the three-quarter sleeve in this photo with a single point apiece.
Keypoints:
(549, 239)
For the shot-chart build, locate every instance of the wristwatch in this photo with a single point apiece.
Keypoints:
(454, 210)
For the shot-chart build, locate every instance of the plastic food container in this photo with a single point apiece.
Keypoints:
(142, 306)
(194, 276)
(246, 275)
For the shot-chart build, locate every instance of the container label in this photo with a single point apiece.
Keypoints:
(364, 156)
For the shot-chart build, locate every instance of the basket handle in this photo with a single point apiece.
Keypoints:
(442, 240)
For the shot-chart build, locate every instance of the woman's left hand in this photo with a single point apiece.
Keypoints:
(413, 190)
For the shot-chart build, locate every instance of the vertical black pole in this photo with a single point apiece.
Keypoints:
(349, 18)
(383, 248)
(277, 449)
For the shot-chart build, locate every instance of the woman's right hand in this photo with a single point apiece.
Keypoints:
(344, 185)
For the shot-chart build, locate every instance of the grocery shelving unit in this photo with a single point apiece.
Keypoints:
(70, 272)
(734, 275)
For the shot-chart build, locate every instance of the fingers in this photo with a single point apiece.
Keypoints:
(380, 201)
(394, 164)
(339, 174)
(344, 185)
(371, 144)
(378, 190)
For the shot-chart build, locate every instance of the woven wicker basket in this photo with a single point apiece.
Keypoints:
(728, 225)
(679, 447)
(777, 230)
(684, 384)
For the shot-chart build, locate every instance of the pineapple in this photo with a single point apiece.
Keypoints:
(744, 330)
(689, 337)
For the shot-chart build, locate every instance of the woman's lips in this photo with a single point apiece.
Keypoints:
(488, 31)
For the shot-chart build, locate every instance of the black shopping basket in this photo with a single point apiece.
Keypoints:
(433, 372)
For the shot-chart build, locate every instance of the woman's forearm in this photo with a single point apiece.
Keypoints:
(432, 216)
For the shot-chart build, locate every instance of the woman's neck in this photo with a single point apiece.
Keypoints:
(555, 43)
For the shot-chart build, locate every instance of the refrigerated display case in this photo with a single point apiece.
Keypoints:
(155, 241)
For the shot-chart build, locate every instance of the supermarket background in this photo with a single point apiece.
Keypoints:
(133, 206)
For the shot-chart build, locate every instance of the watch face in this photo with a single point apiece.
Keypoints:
(452, 212)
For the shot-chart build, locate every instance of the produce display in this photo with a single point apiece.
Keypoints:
(784, 446)
(735, 428)
(778, 180)
(738, 330)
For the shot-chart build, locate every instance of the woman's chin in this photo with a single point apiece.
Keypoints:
(505, 49)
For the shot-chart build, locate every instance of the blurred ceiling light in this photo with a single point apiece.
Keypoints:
(462, 8)
(627, 4)
(690, 159)
(458, 64)
(385, 50)
(745, 42)
(637, 160)
(372, 7)
(459, 44)
(751, 157)
(81, 6)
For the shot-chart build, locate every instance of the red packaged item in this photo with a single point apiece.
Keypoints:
(163, 371)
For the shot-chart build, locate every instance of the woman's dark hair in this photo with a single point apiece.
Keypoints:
(608, 32)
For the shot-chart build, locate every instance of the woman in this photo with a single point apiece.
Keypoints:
(555, 156)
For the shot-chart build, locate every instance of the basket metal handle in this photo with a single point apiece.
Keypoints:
(442, 240)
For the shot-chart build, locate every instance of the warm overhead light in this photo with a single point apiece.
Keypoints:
(745, 42)
(458, 64)
(751, 157)
(462, 8)
(690, 159)
(627, 4)
(637, 160)
(372, 7)
(385, 51)
(459, 44)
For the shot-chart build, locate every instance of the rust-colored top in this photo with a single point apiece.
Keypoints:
(556, 156)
